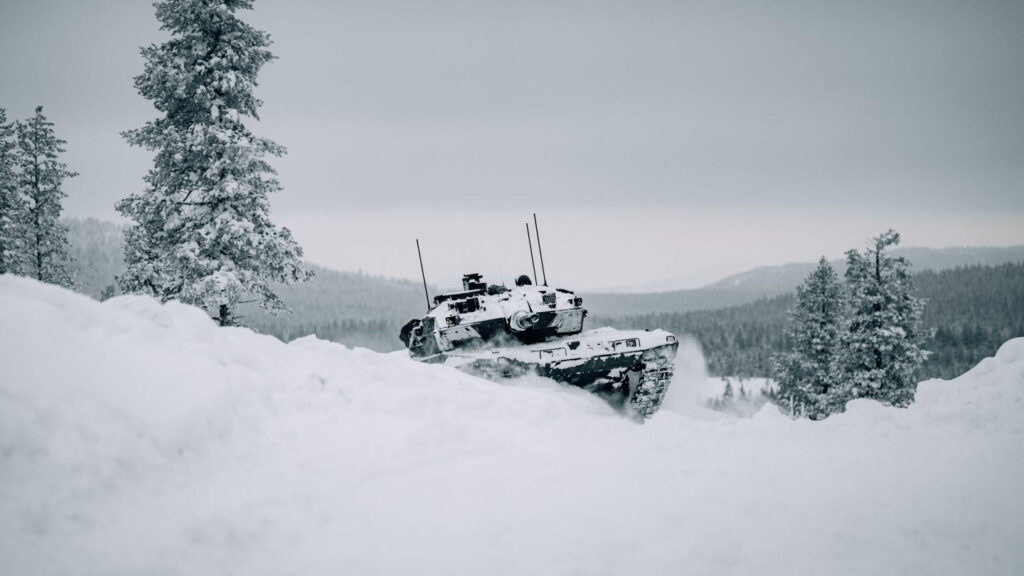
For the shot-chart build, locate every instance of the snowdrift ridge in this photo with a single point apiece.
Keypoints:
(140, 438)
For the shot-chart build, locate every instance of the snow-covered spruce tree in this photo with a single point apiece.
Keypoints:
(41, 177)
(880, 347)
(806, 382)
(202, 232)
(12, 205)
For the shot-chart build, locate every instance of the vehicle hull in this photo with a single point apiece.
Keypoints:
(630, 369)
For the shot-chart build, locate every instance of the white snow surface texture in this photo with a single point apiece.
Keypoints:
(139, 438)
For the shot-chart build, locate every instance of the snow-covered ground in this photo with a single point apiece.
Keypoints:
(137, 438)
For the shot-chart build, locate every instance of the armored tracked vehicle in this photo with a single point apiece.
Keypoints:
(498, 332)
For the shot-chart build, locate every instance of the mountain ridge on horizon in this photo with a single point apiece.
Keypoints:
(768, 281)
(916, 254)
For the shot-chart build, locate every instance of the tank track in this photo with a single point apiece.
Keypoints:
(633, 383)
(650, 391)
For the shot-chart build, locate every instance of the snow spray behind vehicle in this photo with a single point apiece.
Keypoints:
(497, 332)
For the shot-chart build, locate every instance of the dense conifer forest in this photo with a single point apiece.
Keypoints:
(970, 310)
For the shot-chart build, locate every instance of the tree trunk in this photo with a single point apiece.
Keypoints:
(225, 316)
(38, 224)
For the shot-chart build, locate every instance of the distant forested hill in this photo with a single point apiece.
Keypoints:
(351, 308)
(973, 310)
(769, 281)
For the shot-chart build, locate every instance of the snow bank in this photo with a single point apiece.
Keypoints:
(139, 438)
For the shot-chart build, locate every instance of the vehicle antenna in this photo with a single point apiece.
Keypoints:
(422, 273)
(529, 241)
(540, 251)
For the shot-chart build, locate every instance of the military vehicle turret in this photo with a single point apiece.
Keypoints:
(499, 332)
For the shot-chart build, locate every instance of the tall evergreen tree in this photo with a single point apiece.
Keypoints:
(881, 344)
(12, 205)
(41, 178)
(202, 232)
(807, 386)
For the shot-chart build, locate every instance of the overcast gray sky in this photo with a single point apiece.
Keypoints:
(655, 139)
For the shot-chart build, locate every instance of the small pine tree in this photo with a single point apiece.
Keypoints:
(202, 232)
(807, 385)
(41, 180)
(12, 205)
(881, 344)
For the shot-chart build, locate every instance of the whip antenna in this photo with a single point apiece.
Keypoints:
(529, 241)
(540, 251)
(422, 273)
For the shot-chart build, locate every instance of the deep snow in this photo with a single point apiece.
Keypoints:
(138, 438)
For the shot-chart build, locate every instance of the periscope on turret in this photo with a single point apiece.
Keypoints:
(498, 332)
